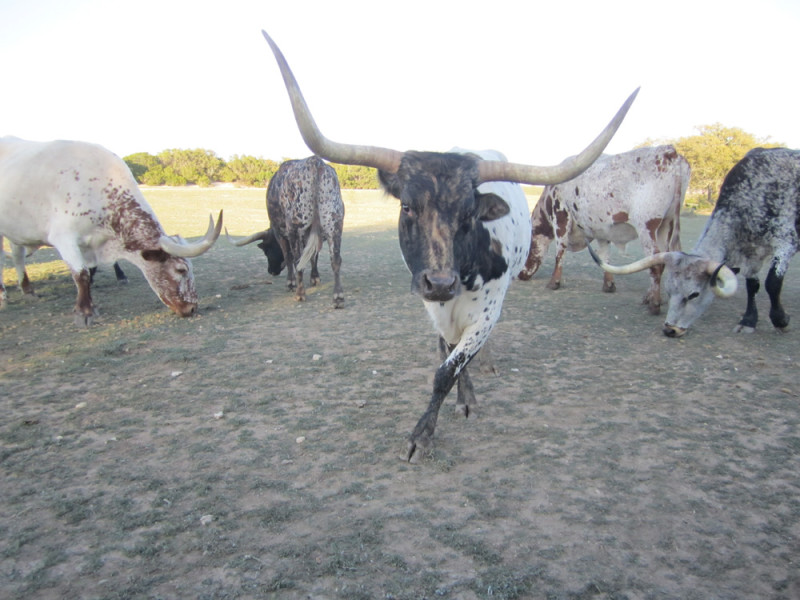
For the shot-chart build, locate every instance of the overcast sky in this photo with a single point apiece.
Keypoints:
(536, 80)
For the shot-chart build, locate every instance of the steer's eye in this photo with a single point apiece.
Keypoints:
(693, 295)
(406, 208)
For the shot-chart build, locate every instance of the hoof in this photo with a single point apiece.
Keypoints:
(553, 285)
(338, 303)
(82, 320)
(419, 449)
(743, 329)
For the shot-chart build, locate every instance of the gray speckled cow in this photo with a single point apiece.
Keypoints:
(305, 208)
(619, 198)
(757, 216)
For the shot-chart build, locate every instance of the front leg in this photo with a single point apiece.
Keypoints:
(750, 316)
(465, 402)
(773, 285)
(421, 439)
(84, 307)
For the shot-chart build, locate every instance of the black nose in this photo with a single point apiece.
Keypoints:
(669, 331)
(439, 286)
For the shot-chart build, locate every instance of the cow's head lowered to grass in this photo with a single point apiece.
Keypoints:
(464, 232)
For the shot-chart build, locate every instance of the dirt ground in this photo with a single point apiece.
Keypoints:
(255, 451)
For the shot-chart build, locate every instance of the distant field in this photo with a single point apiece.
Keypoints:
(246, 212)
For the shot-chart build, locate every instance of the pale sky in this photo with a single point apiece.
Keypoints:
(535, 80)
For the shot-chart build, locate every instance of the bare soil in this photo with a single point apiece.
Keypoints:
(255, 451)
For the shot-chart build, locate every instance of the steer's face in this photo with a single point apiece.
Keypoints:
(441, 232)
(272, 250)
(688, 284)
(172, 280)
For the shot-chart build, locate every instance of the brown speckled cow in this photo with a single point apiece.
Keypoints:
(82, 200)
(305, 208)
(619, 198)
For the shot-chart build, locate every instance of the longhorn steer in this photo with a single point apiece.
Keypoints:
(305, 208)
(756, 216)
(464, 231)
(620, 197)
(82, 200)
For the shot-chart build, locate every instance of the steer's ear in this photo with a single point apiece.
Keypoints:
(491, 207)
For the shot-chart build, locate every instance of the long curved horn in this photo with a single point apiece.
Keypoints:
(248, 240)
(389, 160)
(722, 274)
(564, 171)
(368, 156)
(634, 267)
(186, 250)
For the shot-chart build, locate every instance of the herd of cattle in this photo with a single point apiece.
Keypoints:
(464, 228)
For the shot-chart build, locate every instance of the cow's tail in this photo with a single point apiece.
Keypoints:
(314, 243)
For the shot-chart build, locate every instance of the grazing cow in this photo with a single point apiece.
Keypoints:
(464, 231)
(757, 216)
(82, 200)
(305, 208)
(621, 196)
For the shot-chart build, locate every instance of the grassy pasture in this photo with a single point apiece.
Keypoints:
(254, 451)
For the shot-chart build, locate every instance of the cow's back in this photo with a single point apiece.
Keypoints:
(48, 188)
(295, 189)
(757, 214)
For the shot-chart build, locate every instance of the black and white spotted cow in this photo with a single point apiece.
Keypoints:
(464, 231)
(757, 216)
(305, 208)
(621, 197)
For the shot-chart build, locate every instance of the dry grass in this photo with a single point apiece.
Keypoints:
(214, 457)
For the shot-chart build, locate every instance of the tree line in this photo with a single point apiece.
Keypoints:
(203, 167)
(712, 152)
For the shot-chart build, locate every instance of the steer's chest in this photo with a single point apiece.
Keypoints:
(471, 313)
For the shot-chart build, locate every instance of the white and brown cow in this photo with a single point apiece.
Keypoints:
(619, 198)
(305, 208)
(82, 200)
(464, 231)
(757, 217)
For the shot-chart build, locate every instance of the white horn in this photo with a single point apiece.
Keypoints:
(723, 280)
(634, 267)
(186, 250)
(248, 240)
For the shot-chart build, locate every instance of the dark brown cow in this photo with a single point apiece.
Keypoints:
(464, 231)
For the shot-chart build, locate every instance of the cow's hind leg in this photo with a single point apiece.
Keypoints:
(653, 296)
(335, 246)
(18, 256)
(314, 270)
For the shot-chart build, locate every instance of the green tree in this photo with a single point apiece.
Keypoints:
(356, 177)
(712, 153)
(140, 163)
(249, 171)
(192, 166)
